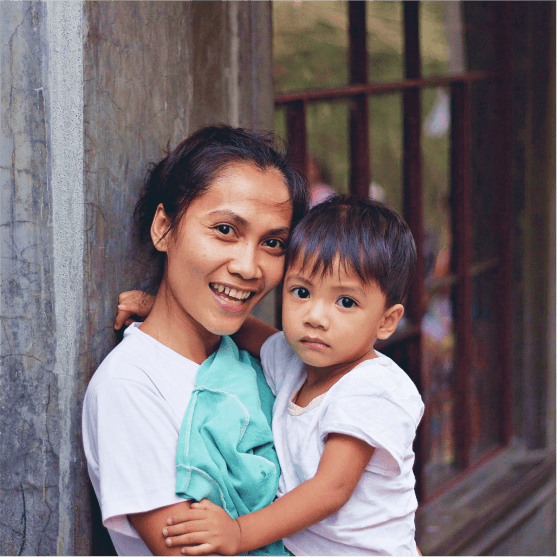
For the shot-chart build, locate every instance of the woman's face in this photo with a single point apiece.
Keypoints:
(228, 252)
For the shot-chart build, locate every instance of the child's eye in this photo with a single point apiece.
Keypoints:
(300, 292)
(346, 302)
(274, 243)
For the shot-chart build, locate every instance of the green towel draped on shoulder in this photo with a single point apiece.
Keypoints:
(225, 448)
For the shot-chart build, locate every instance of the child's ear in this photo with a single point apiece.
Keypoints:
(390, 320)
(161, 223)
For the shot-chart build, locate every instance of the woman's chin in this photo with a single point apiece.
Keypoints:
(224, 328)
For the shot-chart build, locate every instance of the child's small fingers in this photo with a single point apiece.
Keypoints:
(202, 549)
(186, 539)
(203, 504)
(185, 516)
(183, 528)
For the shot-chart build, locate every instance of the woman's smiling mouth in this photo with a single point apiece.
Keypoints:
(230, 298)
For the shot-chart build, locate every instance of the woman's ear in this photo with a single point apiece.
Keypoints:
(390, 320)
(161, 224)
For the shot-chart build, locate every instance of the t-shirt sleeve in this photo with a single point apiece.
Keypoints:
(130, 440)
(378, 421)
(272, 359)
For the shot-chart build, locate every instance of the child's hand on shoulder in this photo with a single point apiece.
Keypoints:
(206, 525)
(131, 305)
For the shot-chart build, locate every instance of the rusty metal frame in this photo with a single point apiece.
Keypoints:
(357, 94)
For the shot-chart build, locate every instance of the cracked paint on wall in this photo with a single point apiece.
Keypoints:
(29, 429)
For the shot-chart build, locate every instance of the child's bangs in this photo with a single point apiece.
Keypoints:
(318, 247)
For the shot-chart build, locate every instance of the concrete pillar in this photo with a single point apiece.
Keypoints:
(91, 93)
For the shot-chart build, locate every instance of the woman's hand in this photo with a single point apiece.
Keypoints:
(132, 304)
(207, 525)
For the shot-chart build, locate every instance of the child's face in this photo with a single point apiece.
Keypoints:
(334, 320)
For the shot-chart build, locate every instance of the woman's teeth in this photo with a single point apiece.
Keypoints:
(239, 295)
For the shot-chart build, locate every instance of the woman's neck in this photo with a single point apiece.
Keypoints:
(172, 327)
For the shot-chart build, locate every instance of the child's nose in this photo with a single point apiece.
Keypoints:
(316, 316)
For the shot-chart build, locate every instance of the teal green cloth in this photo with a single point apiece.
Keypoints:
(225, 449)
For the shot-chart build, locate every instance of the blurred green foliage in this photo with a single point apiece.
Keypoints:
(310, 49)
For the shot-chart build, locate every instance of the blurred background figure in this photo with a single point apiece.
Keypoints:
(319, 190)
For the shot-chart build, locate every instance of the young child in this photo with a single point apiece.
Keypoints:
(345, 416)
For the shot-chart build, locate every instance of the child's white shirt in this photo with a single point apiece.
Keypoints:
(376, 402)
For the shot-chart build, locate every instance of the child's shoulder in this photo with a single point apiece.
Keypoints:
(381, 377)
(276, 356)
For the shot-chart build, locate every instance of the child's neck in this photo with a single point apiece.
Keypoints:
(321, 379)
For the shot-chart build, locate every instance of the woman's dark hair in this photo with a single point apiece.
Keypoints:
(188, 171)
(369, 238)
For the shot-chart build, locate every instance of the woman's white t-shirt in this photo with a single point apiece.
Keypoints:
(376, 402)
(132, 413)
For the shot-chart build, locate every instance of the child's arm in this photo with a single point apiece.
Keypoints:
(252, 334)
(343, 462)
(133, 303)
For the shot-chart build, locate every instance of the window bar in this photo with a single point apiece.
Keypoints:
(360, 176)
(504, 216)
(297, 133)
(461, 260)
(413, 208)
(297, 141)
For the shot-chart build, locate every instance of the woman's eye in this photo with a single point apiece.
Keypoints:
(224, 229)
(346, 302)
(300, 292)
(274, 243)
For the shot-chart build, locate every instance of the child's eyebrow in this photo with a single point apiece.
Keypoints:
(298, 278)
(348, 288)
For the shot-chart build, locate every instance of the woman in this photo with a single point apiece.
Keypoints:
(218, 211)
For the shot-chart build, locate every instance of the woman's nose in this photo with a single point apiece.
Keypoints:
(245, 263)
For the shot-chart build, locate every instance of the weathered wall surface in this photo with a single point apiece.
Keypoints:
(91, 93)
(29, 425)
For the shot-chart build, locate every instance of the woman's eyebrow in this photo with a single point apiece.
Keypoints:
(232, 215)
(241, 221)
(280, 231)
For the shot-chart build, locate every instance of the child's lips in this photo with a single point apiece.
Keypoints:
(313, 342)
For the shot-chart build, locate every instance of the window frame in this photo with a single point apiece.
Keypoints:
(409, 343)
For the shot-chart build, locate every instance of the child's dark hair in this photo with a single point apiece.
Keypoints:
(369, 238)
(188, 171)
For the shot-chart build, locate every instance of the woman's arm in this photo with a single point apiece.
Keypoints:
(149, 526)
(252, 334)
(343, 462)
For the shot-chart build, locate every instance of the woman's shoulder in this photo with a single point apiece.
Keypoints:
(139, 360)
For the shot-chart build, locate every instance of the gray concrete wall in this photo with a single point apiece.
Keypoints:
(90, 94)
